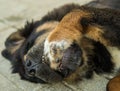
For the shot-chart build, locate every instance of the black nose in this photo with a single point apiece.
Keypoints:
(30, 67)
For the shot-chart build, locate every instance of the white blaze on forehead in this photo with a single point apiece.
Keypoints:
(62, 45)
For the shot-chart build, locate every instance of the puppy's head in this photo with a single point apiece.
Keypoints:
(34, 61)
(36, 67)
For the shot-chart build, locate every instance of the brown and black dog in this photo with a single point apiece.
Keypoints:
(89, 41)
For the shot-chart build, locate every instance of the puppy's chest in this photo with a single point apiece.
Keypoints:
(115, 53)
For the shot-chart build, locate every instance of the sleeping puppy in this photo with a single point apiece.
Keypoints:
(26, 58)
(24, 48)
(26, 55)
(21, 45)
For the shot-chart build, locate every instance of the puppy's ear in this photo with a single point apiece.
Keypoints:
(12, 44)
(14, 39)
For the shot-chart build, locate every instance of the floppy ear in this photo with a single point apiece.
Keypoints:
(14, 39)
(13, 43)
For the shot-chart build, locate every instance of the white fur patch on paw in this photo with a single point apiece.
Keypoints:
(54, 50)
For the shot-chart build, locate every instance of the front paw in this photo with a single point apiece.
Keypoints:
(54, 51)
(71, 60)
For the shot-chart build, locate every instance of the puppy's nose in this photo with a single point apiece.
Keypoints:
(30, 67)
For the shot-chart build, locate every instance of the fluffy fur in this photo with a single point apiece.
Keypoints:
(86, 22)
(89, 29)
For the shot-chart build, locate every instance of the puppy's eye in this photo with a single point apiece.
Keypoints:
(29, 45)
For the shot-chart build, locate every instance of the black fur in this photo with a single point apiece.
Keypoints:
(102, 59)
(99, 59)
(108, 19)
(114, 4)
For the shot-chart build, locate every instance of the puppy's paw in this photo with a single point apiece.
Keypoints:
(54, 51)
(71, 60)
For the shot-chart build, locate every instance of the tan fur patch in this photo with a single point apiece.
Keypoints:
(47, 26)
(73, 77)
(95, 33)
(54, 65)
(13, 49)
(69, 28)
(17, 41)
(16, 36)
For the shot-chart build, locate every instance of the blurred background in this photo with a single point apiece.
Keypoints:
(13, 15)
